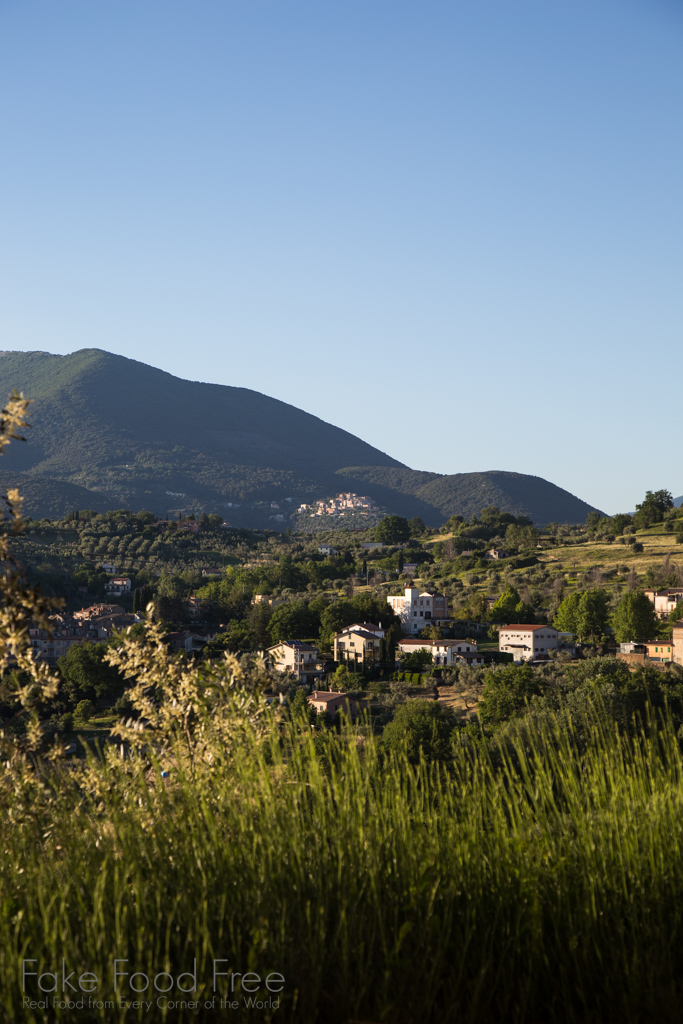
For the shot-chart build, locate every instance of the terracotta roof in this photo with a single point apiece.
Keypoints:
(297, 645)
(525, 627)
(325, 695)
(357, 631)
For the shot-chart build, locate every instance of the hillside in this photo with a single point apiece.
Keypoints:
(466, 494)
(111, 432)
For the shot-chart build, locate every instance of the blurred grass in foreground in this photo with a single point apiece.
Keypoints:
(543, 882)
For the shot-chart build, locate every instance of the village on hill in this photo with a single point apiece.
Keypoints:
(382, 614)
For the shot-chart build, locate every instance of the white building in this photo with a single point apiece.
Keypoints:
(525, 643)
(417, 610)
(118, 585)
(443, 652)
(327, 549)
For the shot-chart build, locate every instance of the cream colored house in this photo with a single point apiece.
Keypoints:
(665, 600)
(525, 643)
(297, 657)
(360, 644)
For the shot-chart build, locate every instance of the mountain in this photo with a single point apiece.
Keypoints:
(466, 494)
(111, 432)
(678, 501)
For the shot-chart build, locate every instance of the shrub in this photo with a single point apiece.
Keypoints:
(66, 722)
(84, 711)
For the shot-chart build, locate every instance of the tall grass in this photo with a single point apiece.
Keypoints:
(545, 884)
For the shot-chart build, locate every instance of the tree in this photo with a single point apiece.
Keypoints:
(652, 509)
(521, 537)
(88, 575)
(258, 618)
(506, 691)
(567, 617)
(416, 661)
(87, 676)
(392, 530)
(421, 726)
(620, 521)
(364, 607)
(144, 517)
(343, 680)
(593, 614)
(292, 621)
(432, 633)
(84, 711)
(300, 710)
(634, 618)
(504, 608)
(417, 527)
(585, 615)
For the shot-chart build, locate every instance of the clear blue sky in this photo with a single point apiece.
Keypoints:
(453, 228)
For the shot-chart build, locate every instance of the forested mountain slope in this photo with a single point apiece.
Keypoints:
(112, 432)
(466, 494)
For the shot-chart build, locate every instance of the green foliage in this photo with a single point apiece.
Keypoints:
(416, 661)
(677, 614)
(567, 616)
(584, 614)
(66, 722)
(83, 711)
(541, 857)
(89, 575)
(293, 621)
(417, 526)
(635, 618)
(363, 607)
(652, 509)
(87, 675)
(392, 530)
(505, 608)
(420, 728)
(520, 538)
(505, 692)
(300, 710)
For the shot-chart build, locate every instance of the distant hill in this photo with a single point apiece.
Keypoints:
(110, 432)
(466, 494)
(678, 501)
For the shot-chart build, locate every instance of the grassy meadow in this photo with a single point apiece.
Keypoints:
(537, 876)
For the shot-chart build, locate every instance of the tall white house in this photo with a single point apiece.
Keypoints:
(417, 610)
(525, 642)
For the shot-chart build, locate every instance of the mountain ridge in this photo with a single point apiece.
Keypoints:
(122, 433)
